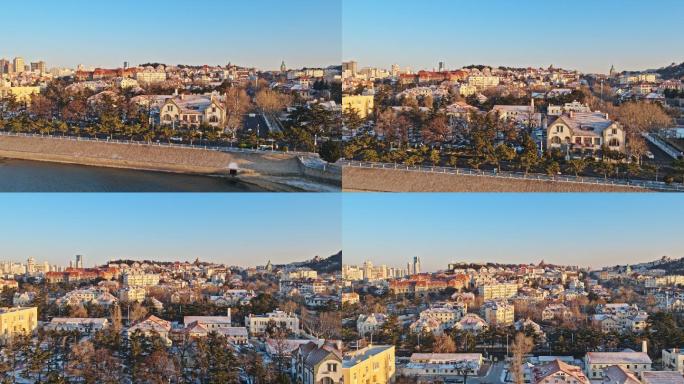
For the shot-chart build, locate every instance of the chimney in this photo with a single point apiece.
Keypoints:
(572, 114)
(644, 346)
(607, 116)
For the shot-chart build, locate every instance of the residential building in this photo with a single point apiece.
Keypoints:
(193, 110)
(131, 294)
(673, 359)
(314, 364)
(152, 325)
(636, 362)
(616, 374)
(558, 372)
(367, 324)
(209, 322)
(575, 106)
(350, 298)
(585, 131)
(498, 312)
(374, 364)
(16, 320)
(83, 325)
(19, 65)
(138, 278)
(472, 323)
(258, 324)
(497, 291)
(433, 366)
(662, 377)
(362, 104)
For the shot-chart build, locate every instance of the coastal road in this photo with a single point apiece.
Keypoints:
(492, 377)
(256, 122)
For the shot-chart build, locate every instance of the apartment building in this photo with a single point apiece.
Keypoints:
(497, 291)
(16, 320)
(362, 104)
(138, 278)
(374, 364)
(258, 324)
(498, 312)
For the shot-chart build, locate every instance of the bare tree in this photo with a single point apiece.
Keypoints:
(521, 346)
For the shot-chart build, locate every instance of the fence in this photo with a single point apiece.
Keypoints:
(641, 184)
(154, 144)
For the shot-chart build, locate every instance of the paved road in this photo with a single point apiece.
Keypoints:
(256, 122)
(493, 376)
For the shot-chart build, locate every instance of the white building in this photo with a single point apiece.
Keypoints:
(138, 278)
(82, 325)
(585, 131)
(367, 324)
(636, 362)
(258, 324)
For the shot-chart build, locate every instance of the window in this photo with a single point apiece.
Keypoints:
(559, 128)
(169, 108)
(555, 140)
(614, 131)
(614, 142)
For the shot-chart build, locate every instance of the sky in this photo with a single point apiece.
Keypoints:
(588, 230)
(231, 228)
(258, 33)
(587, 35)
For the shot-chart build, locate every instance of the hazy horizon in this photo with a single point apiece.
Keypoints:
(303, 33)
(587, 230)
(230, 228)
(585, 35)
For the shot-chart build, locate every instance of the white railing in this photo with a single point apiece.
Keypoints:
(637, 184)
(154, 144)
(663, 146)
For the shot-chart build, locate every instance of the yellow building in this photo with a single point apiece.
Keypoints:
(371, 365)
(21, 94)
(18, 320)
(362, 104)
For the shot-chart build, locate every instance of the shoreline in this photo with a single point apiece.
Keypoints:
(269, 171)
(397, 180)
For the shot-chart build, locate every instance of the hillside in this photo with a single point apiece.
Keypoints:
(673, 71)
(330, 264)
(671, 266)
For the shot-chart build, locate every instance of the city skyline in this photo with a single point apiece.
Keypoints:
(169, 227)
(512, 34)
(101, 35)
(510, 229)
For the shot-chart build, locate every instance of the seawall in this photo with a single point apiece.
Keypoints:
(147, 156)
(391, 180)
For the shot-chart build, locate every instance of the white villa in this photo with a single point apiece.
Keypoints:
(585, 131)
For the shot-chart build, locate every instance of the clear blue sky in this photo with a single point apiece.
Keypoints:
(588, 35)
(580, 229)
(232, 228)
(106, 33)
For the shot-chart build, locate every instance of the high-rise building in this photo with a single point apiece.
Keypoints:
(367, 270)
(441, 66)
(350, 66)
(79, 261)
(19, 64)
(30, 265)
(395, 70)
(39, 67)
(283, 68)
(4, 66)
(416, 265)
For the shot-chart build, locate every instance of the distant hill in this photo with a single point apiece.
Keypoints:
(673, 71)
(330, 264)
(671, 266)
